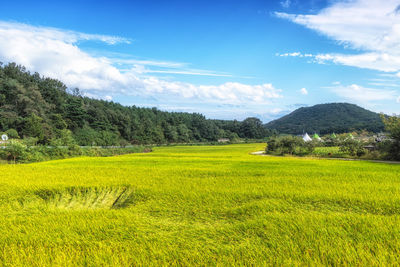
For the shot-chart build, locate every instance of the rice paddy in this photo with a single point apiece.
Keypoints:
(199, 205)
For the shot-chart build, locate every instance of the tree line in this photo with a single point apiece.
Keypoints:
(47, 112)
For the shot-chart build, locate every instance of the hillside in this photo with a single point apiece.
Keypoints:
(32, 106)
(328, 118)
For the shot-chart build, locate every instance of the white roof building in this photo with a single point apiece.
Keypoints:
(306, 138)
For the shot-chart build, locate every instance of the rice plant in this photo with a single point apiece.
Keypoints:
(199, 205)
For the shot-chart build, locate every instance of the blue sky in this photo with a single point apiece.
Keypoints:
(225, 59)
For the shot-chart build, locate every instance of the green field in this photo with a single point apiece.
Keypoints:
(200, 205)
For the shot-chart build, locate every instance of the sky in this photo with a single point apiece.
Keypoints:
(224, 59)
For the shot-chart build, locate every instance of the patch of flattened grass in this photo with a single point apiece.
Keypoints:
(116, 197)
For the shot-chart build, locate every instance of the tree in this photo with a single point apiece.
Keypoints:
(183, 133)
(352, 147)
(33, 127)
(12, 133)
(171, 133)
(15, 150)
(289, 145)
(392, 125)
(64, 138)
(75, 113)
(252, 128)
(41, 109)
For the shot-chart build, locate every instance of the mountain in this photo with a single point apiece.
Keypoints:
(47, 112)
(328, 118)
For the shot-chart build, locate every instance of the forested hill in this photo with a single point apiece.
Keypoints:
(328, 118)
(40, 108)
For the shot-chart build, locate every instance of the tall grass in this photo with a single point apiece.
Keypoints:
(208, 205)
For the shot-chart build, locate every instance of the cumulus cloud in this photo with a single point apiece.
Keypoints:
(303, 91)
(362, 94)
(371, 26)
(56, 53)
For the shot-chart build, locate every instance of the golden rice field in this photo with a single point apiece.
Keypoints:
(200, 205)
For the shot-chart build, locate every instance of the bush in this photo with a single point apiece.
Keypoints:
(392, 125)
(352, 147)
(292, 145)
(75, 150)
(12, 133)
(15, 150)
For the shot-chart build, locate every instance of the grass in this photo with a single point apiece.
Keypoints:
(329, 152)
(208, 205)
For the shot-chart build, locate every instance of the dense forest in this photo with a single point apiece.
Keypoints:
(45, 110)
(328, 118)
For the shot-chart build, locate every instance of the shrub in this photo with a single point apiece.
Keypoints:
(15, 150)
(75, 150)
(392, 124)
(352, 147)
(292, 145)
(12, 133)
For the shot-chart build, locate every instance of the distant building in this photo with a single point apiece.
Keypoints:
(381, 137)
(316, 137)
(223, 140)
(306, 138)
(370, 147)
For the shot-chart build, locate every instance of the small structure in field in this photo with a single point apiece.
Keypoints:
(370, 147)
(223, 140)
(3, 140)
(306, 138)
(316, 137)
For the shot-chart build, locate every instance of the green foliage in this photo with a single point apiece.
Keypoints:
(392, 125)
(328, 152)
(63, 138)
(33, 127)
(200, 206)
(15, 150)
(352, 147)
(12, 133)
(331, 140)
(292, 145)
(41, 108)
(74, 112)
(327, 119)
(253, 128)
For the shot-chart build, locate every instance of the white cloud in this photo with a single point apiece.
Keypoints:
(49, 33)
(55, 53)
(372, 26)
(294, 54)
(286, 3)
(303, 91)
(189, 72)
(141, 66)
(362, 94)
(375, 61)
(398, 99)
